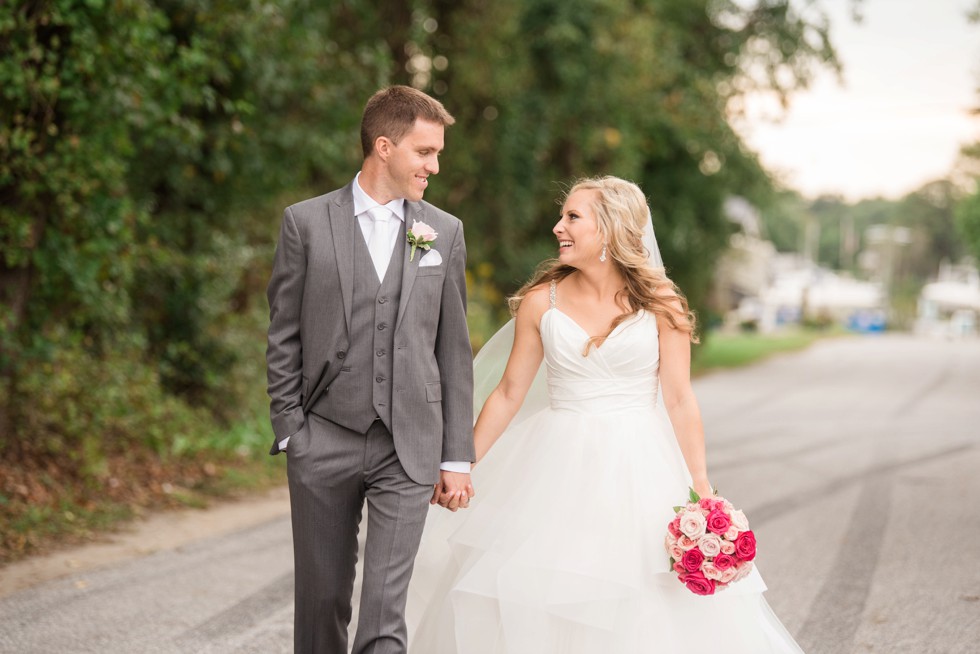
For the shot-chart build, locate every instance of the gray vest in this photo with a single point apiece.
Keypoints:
(361, 392)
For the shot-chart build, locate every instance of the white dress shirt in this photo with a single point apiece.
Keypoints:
(363, 203)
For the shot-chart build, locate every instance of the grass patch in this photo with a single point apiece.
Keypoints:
(37, 528)
(65, 512)
(263, 472)
(722, 350)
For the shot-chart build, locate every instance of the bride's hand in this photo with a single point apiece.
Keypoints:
(704, 489)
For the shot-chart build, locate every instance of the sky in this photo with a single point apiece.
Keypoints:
(899, 117)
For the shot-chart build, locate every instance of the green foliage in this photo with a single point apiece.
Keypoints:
(88, 405)
(145, 145)
(735, 350)
(968, 224)
(929, 213)
(784, 221)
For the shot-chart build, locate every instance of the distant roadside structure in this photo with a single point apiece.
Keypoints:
(950, 306)
(758, 288)
(745, 271)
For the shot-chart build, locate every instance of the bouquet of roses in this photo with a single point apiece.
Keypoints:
(710, 544)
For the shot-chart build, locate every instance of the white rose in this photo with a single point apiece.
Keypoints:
(710, 545)
(732, 533)
(423, 232)
(693, 524)
(740, 521)
(727, 547)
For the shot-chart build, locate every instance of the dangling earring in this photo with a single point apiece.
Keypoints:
(602, 257)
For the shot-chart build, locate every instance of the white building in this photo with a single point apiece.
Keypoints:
(950, 306)
(802, 291)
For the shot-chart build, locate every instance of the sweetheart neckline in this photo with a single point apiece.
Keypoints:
(614, 332)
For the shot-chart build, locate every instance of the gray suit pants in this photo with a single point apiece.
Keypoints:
(332, 470)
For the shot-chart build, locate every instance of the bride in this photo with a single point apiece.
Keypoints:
(562, 549)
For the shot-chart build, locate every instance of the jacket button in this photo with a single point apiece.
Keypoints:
(382, 326)
(382, 300)
(379, 379)
(341, 354)
(380, 353)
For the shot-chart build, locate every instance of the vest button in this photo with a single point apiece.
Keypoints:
(382, 300)
(341, 354)
(382, 326)
(380, 353)
(379, 379)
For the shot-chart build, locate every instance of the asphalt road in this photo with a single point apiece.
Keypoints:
(857, 462)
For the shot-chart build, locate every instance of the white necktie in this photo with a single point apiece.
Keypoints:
(380, 244)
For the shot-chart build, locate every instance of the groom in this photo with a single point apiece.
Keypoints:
(370, 375)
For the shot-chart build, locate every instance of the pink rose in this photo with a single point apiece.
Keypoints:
(709, 570)
(718, 521)
(698, 584)
(676, 553)
(692, 560)
(727, 547)
(710, 544)
(732, 533)
(686, 543)
(745, 546)
(728, 576)
(692, 524)
(706, 503)
(742, 570)
(679, 568)
(423, 232)
(675, 526)
(723, 562)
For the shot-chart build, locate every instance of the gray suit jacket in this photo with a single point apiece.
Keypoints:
(310, 296)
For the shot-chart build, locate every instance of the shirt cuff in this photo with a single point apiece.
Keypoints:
(282, 443)
(456, 466)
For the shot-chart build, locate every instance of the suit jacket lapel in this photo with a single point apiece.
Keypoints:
(342, 225)
(410, 269)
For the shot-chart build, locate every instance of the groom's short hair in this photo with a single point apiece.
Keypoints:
(392, 112)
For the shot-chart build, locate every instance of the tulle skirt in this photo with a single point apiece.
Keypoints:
(561, 551)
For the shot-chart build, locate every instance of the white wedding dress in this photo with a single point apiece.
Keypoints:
(561, 550)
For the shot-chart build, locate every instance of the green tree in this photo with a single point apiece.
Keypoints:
(968, 224)
(546, 91)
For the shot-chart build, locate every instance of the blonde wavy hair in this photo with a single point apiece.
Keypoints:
(622, 214)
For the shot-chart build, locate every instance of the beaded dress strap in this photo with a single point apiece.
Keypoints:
(553, 294)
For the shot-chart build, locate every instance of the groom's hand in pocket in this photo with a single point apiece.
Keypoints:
(453, 491)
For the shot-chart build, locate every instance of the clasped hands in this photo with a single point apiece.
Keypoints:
(453, 491)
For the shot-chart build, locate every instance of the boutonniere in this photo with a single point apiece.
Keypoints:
(420, 236)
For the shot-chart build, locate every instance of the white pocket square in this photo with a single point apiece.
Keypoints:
(431, 258)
